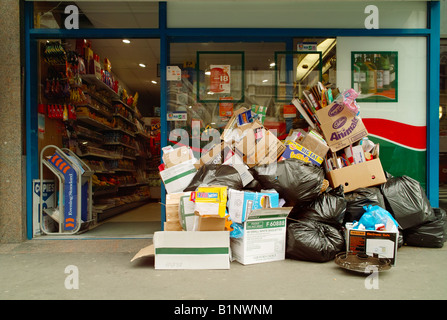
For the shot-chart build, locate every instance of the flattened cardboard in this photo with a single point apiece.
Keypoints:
(361, 175)
(340, 127)
(178, 177)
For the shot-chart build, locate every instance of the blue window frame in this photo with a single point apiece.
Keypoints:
(168, 35)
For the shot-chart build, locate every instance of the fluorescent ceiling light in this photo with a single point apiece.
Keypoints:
(272, 64)
(154, 82)
(311, 60)
(126, 41)
(142, 65)
(265, 80)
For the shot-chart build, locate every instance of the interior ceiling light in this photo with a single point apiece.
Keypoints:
(154, 82)
(142, 65)
(265, 80)
(126, 41)
(272, 65)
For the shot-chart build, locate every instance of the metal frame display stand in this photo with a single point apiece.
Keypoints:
(83, 175)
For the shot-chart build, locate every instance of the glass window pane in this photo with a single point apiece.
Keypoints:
(97, 15)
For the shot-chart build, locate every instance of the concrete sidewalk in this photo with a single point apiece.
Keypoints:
(36, 269)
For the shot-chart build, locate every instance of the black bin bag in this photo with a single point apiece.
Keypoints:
(406, 200)
(295, 180)
(216, 174)
(311, 240)
(429, 235)
(357, 199)
(329, 207)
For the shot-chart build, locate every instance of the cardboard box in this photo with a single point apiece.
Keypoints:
(258, 146)
(242, 203)
(340, 127)
(315, 144)
(232, 124)
(297, 151)
(264, 237)
(362, 175)
(174, 156)
(208, 223)
(381, 243)
(189, 250)
(173, 219)
(213, 156)
(178, 177)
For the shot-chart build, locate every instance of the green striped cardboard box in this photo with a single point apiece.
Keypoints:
(189, 250)
(178, 177)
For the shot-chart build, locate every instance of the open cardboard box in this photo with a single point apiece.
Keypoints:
(361, 175)
(189, 250)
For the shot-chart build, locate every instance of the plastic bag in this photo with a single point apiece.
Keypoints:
(238, 230)
(407, 202)
(216, 174)
(329, 207)
(295, 181)
(375, 215)
(429, 235)
(310, 240)
(358, 199)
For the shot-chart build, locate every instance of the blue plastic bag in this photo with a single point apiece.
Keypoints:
(238, 230)
(373, 216)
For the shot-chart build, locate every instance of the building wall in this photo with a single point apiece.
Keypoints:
(12, 165)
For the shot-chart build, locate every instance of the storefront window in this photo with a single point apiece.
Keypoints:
(443, 123)
(97, 15)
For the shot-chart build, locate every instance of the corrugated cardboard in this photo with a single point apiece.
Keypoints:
(258, 145)
(340, 127)
(209, 223)
(189, 250)
(361, 175)
(172, 157)
(264, 237)
(314, 144)
(297, 151)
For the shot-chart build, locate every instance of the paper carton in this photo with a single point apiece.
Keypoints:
(178, 177)
(297, 151)
(264, 237)
(186, 212)
(315, 144)
(361, 175)
(208, 223)
(242, 203)
(173, 219)
(210, 200)
(189, 250)
(340, 127)
(384, 244)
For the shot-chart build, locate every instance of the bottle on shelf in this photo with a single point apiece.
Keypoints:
(379, 72)
(372, 74)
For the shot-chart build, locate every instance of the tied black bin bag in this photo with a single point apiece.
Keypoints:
(294, 180)
(329, 207)
(360, 198)
(216, 174)
(406, 200)
(429, 235)
(311, 240)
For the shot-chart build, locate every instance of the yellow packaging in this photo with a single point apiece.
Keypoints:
(210, 200)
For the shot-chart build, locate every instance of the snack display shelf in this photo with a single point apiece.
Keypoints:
(91, 78)
(117, 143)
(93, 122)
(117, 100)
(105, 113)
(124, 118)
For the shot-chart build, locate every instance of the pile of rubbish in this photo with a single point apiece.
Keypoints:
(319, 192)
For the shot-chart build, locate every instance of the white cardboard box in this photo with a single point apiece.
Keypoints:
(178, 177)
(189, 250)
(264, 237)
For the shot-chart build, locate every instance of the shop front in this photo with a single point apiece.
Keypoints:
(136, 77)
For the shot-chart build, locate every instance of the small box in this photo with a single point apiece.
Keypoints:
(186, 212)
(242, 203)
(362, 175)
(264, 237)
(189, 250)
(340, 127)
(384, 244)
(297, 151)
(211, 200)
(178, 177)
(315, 143)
